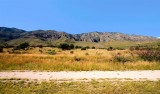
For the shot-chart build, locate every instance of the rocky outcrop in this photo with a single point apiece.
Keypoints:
(109, 36)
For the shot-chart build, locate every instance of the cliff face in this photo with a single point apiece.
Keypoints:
(11, 34)
(109, 36)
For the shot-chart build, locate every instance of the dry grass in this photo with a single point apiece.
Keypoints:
(94, 87)
(91, 59)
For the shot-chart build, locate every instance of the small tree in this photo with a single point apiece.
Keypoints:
(51, 52)
(64, 46)
(78, 47)
(110, 48)
(83, 48)
(40, 46)
(87, 47)
(1, 49)
(71, 46)
(93, 47)
(23, 45)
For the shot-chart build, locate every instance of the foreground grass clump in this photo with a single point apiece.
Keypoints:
(93, 87)
(150, 55)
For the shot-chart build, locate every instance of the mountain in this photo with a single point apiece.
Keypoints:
(7, 34)
(14, 36)
(47, 34)
(110, 36)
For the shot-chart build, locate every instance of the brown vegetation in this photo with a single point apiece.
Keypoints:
(55, 59)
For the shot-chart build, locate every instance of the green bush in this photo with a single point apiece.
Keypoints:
(1, 49)
(40, 46)
(87, 47)
(71, 46)
(64, 46)
(72, 52)
(22, 46)
(93, 47)
(149, 55)
(51, 52)
(110, 48)
(131, 48)
(119, 48)
(78, 47)
(120, 59)
(83, 48)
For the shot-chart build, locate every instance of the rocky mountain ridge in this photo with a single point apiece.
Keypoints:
(14, 34)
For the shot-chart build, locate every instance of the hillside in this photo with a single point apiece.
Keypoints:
(110, 36)
(7, 34)
(14, 36)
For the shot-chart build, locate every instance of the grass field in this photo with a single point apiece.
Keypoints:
(54, 59)
(74, 60)
(93, 87)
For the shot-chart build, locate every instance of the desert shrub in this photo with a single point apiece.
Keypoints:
(11, 50)
(119, 48)
(40, 46)
(51, 52)
(30, 48)
(51, 45)
(1, 49)
(158, 46)
(87, 47)
(86, 53)
(137, 48)
(77, 58)
(78, 47)
(40, 50)
(131, 48)
(110, 48)
(72, 52)
(120, 59)
(71, 46)
(93, 47)
(64, 46)
(83, 48)
(149, 55)
(22, 46)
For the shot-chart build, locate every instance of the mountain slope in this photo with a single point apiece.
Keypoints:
(15, 36)
(110, 36)
(7, 34)
(42, 37)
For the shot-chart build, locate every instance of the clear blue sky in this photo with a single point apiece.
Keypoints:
(140, 17)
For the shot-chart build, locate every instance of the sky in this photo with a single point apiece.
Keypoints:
(140, 17)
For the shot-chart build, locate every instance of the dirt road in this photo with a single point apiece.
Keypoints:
(134, 75)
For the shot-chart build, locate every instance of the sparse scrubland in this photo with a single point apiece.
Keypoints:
(77, 58)
(93, 87)
(56, 59)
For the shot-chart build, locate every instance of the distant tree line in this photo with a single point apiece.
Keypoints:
(23, 46)
(65, 46)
